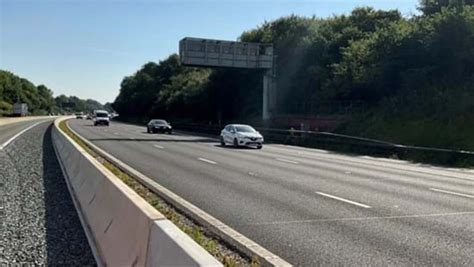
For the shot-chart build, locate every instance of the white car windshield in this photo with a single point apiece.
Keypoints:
(244, 129)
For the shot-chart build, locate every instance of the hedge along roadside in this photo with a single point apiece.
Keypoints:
(230, 236)
(122, 228)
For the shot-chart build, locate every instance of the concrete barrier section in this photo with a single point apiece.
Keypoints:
(121, 226)
(169, 246)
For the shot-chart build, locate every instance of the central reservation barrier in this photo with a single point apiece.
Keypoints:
(121, 227)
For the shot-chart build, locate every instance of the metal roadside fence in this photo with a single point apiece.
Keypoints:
(348, 144)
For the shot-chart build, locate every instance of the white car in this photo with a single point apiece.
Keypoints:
(101, 117)
(241, 135)
(79, 115)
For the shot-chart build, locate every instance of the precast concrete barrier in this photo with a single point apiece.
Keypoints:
(122, 228)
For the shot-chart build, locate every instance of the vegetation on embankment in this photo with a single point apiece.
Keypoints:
(437, 117)
(407, 79)
(39, 98)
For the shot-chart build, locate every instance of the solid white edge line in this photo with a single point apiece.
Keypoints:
(19, 133)
(207, 160)
(452, 193)
(158, 146)
(286, 160)
(344, 200)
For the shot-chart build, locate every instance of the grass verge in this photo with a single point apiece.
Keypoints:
(212, 244)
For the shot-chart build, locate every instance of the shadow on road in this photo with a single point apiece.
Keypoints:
(233, 147)
(198, 140)
(66, 243)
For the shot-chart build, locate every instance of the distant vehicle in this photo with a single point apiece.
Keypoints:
(79, 115)
(20, 109)
(160, 126)
(241, 135)
(89, 117)
(101, 117)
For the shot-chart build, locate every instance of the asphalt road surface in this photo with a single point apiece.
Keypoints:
(310, 207)
(9, 131)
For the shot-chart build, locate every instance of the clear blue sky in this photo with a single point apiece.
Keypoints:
(86, 47)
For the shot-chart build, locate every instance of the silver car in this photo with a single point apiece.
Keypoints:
(241, 135)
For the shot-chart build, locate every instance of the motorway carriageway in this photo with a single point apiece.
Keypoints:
(309, 206)
(11, 130)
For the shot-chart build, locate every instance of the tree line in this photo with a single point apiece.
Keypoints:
(39, 98)
(408, 77)
(366, 56)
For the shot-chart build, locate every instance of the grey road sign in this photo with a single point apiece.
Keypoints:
(219, 53)
(200, 52)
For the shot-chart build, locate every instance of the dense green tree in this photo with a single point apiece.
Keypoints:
(108, 107)
(394, 67)
(14, 88)
(162, 89)
(39, 98)
(430, 7)
(75, 104)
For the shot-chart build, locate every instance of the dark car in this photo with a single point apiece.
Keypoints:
(160, 126)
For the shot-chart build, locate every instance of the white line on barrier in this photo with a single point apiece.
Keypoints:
(344, 200)
(286, 160)
(452, 193)
(158, 146)
(208, 161)
(18, 134)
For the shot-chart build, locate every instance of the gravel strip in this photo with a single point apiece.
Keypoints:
(39, 224)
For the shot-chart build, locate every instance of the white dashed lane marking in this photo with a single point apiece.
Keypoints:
(452, 193)
(207, 161)
(344, 200)
(286, 160)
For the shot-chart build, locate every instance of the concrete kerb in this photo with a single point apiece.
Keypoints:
(226, 233)
(122, 228)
